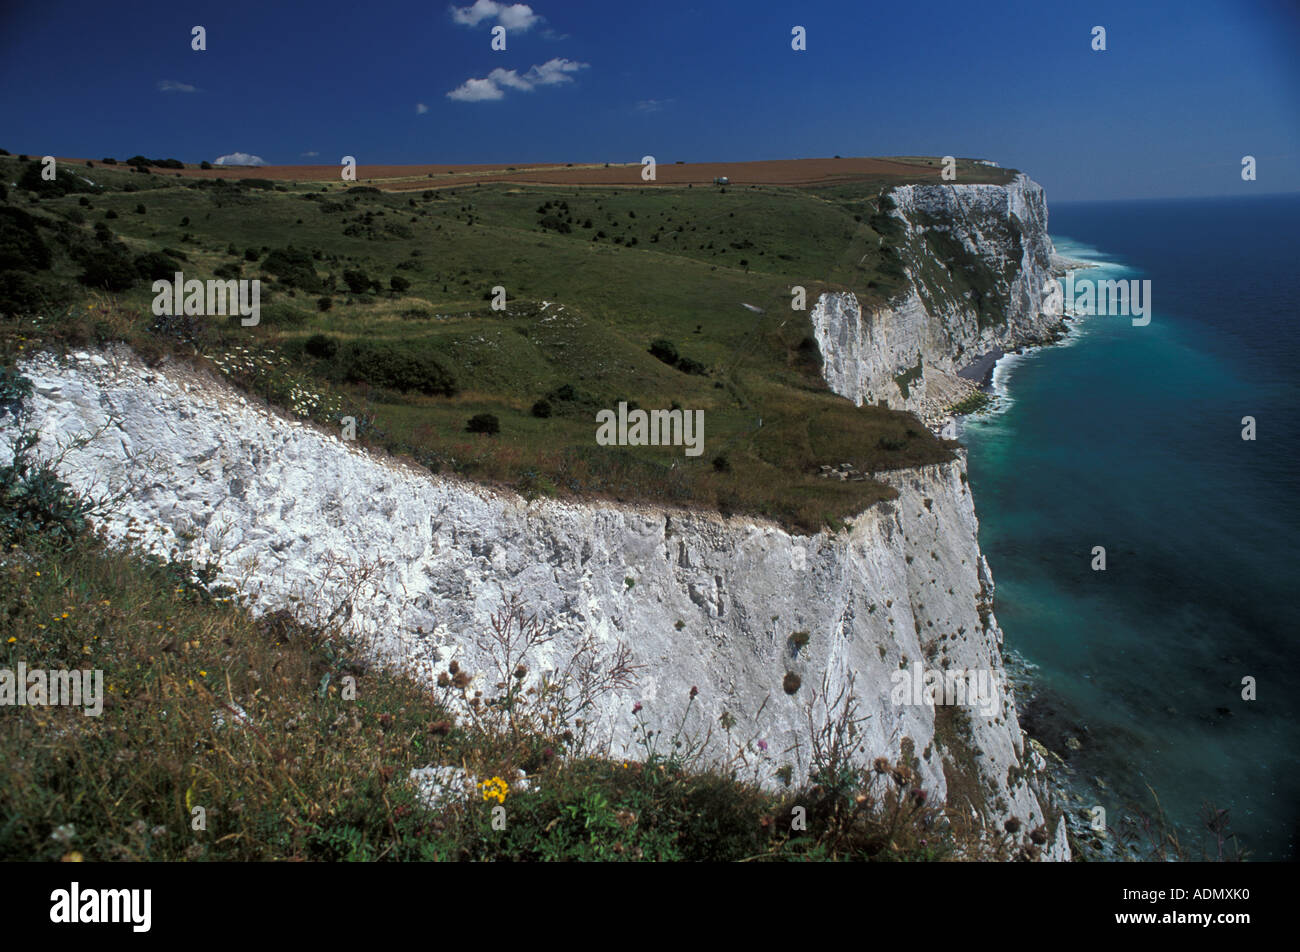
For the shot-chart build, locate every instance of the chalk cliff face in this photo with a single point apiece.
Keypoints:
(294, 514)
(977, 259)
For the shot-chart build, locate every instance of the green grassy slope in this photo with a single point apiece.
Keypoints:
(592, 277)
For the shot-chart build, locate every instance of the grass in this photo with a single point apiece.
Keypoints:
(583, 305)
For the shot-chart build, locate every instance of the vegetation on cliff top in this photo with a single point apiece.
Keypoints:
(377, 306)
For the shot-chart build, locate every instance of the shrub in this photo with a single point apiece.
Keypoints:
(665, 350)
(34, 502)
(108, 269)
(110, 214)
(205, 164)
(228, 271)
(689, 366)
(324, 303)
(251, 254)
(139, 209)
(542, 409)
(23, 293)
(356, 280)
(292, 267)
(319, 345)
(483, 423)
(399, 284)
(385, 365)
(153, 266)
(21, 247)
(721, 464)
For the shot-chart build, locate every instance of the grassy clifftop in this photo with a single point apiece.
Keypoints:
(377, 305)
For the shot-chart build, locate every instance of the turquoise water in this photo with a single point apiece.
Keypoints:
(1130, 438)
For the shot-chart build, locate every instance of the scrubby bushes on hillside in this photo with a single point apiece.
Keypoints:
(292, 267)
(396, 367)
(21, 246)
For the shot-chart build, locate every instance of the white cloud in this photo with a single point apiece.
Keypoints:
(551, 73)
(514, 16)
(652, 105)
(476, 90)
(554, 71)
(172, 86)
(421, 109)
(310, 155)
(240, 158)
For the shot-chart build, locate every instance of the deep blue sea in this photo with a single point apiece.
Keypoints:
(1131, 438)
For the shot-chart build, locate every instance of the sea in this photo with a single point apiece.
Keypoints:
(1166, 681)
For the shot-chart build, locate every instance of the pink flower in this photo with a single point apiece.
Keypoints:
(636, 708)
(762, 745)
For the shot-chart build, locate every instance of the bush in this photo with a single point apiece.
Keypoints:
(153, 266)
(688, 366)
(356, 280)
(324, 303)
(399, 284)
(205, 164)
(319, 345)
(542, 409)
(110, 214)
(292, 267)
(666, 351)
(227, 271)
(385, 365)
(34, 502)
(251, 254)
(139, 209)
(21, 247)
(108, 269)
(23, 293)
(483, 423)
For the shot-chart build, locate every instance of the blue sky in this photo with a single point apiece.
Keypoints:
(1182, 92)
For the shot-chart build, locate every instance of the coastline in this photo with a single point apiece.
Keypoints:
(1044, 723)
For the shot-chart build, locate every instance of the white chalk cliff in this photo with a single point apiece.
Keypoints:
(943, 320)
(702, 600)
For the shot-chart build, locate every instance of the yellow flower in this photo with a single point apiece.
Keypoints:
(495, 789)
(12, 640)
(203, 674)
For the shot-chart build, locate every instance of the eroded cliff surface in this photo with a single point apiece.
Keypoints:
(297, 518)
(977, 260)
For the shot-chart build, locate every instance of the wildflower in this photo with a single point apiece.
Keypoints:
(495, 789)
(203, 674)
(636, 709)
(694, 691)
(762, 745)
(12, 640)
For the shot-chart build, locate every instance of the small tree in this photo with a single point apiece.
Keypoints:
(399, 284)
(356, 280)
(483, 423)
